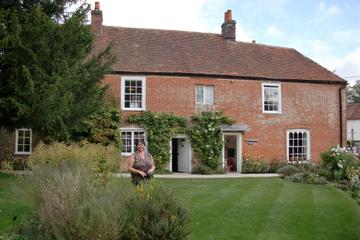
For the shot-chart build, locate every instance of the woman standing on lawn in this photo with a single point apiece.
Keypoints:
(141, 164)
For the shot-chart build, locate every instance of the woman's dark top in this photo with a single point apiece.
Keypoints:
(143, 165)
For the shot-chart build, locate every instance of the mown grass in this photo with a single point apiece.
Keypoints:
(244, 208)
(14, 208)
(266, 208)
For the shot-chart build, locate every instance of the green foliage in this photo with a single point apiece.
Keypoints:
(307, 177)
(154, 213)
(206, 137)
(288, 170)
(338, 160)
(202, 169)
(250, 165)
(160, 127)
(96, 157)
(71, 204)
(48, 81)
(354, 92)
(102, 127)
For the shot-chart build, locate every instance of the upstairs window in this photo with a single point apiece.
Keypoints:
(130, 138)
(204, 95)
(23, 141)
(271, 94)
(133, 93)
(298, 145)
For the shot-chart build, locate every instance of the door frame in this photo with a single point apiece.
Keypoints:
(178, 136)
(238, 153)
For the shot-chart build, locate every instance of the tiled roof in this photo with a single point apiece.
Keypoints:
(180, 52)
(353, 111)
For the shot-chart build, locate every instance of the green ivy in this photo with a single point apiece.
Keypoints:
(206, 137)
(160, 128)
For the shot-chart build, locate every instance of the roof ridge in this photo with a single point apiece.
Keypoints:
(203, 33)
(165, 30)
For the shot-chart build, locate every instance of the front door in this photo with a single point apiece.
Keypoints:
(184, 155)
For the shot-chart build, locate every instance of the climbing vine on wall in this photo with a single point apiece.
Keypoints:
(160, 128)
(206, 137)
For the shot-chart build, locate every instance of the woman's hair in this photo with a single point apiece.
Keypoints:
(140, 142)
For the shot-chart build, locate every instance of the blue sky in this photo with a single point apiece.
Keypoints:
(326, 31)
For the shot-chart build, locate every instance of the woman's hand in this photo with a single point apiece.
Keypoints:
(142, 173)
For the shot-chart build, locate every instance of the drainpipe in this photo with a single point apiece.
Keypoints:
(341, 115)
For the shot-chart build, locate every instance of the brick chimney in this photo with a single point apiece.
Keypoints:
(228, 29)
(96, 20)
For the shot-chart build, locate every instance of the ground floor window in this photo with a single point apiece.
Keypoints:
(23, 141)
(130, 138)
(298, 145)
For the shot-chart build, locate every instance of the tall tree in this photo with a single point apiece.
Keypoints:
(49, 82)
(354, 92)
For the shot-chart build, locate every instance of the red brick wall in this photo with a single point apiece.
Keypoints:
(304, 105)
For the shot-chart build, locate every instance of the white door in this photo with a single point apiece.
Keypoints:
(184, 155)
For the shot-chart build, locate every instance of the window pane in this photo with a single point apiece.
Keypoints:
(209, 95)
(27, 148)
(199, 94)
(20, 148)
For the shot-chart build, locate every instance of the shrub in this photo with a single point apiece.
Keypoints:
(306, 177)
(202, 169)
(288, 171)
(96, 157)
(250, 165)
(337, 160)
(73, 203)
(153, 213)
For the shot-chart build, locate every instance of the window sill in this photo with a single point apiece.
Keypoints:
(272, 112)
(133, 109)
(126, 154)
(22, 153)
(298, 162)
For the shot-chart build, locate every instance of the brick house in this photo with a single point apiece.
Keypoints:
(285, 106)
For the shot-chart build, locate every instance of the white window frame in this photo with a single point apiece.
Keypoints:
(143, 96)
(307, 131)
(263, 85)
(203, 103)
(132, 130)
(17, 138)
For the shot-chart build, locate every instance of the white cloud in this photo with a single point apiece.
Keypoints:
(273, 32)
(187, 15)
(352, 35)
(350, 66)
(330, 10)
(320, 47)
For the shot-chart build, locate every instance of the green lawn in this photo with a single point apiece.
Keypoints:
(267, 208)
(245, 208)
(12, 204)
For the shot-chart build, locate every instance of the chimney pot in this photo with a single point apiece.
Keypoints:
(228, 16)
(228, 28)
(97, 5)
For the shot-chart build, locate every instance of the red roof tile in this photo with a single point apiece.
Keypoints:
(181, 52)
(353, 111)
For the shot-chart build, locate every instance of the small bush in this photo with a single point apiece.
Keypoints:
(338, 160)
(288, 171)
(153, 213)
(96, 157)
(306, 177)
(250, 165)
(74, 203)
(202, 169)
